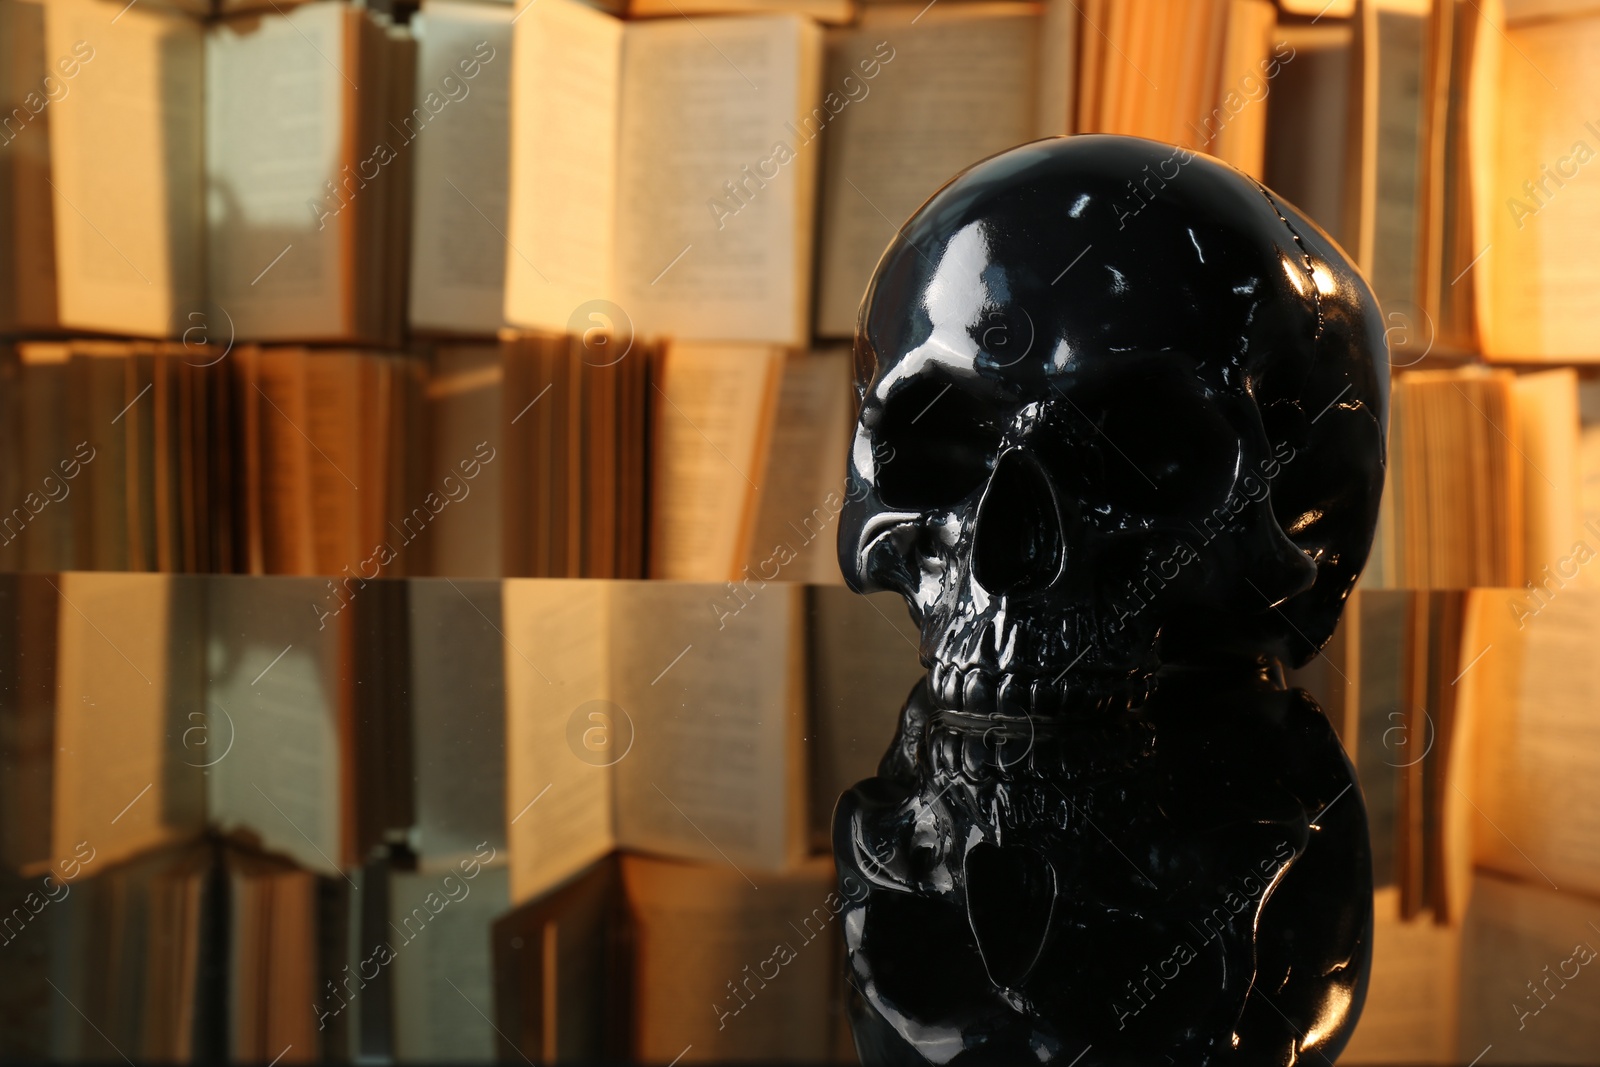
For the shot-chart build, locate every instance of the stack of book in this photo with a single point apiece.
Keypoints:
(537, 455)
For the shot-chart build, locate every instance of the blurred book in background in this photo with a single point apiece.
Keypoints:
(675, 198)
(458, 254)
(1485, 477)
(574, 430)
(730, 968)
(166, 191)
(683, 738)
(917, 94)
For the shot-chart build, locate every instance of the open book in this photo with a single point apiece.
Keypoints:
(1540, 744)
(332, 465)
(656, 169)
(248, 178)
(1485, 481)
(1535, 135)
(187, 704)
(655, 716)
(573, 421)
(749, 456)
(715, 406)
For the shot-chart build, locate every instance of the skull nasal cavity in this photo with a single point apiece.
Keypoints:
(1017, 544)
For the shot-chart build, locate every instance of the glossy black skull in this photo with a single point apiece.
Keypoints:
(1119, 406)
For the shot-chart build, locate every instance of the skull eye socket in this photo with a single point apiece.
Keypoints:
(1165, 451)
(943, 442)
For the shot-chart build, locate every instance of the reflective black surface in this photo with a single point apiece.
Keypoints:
(1120, 447)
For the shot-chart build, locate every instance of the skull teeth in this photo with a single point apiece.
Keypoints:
(1013, 696)
(984, 691)
(986, 759)
(980, 691)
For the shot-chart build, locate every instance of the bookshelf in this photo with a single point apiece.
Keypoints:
(422, 429)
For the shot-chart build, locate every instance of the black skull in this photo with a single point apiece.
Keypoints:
(1119, 405)
(1121, 448)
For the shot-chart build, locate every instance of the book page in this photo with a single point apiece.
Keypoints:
(467, 455)
(272, 960)
(129, 680)
(704, 932)
(803, 489)
(458, 254)
(1379, 752)
(713, 407)
(1589, 496)
(1532, 10)
(1528, 956)
(126, 167)
(1547, 446)
(1410, 1014)
(559, 970)
(1246, 59)
(952, 88)
(287, 518)
(562, 731)
(278, 670)
(561, 220)
(333, 383)
(443, 974)
(1534, 299)
(863, 665)
(1059, 27)
(458, 709)
(1308, 159)
(713, 686)
(1538, 753)
(42, 425)
(715, 179)
(1401, 57)
(28, 723)
(28, 85)
(282, 238)
(828, 11)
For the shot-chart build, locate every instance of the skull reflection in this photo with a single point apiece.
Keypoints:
(1120, 447)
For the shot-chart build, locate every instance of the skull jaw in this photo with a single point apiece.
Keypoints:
(1094, 636)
